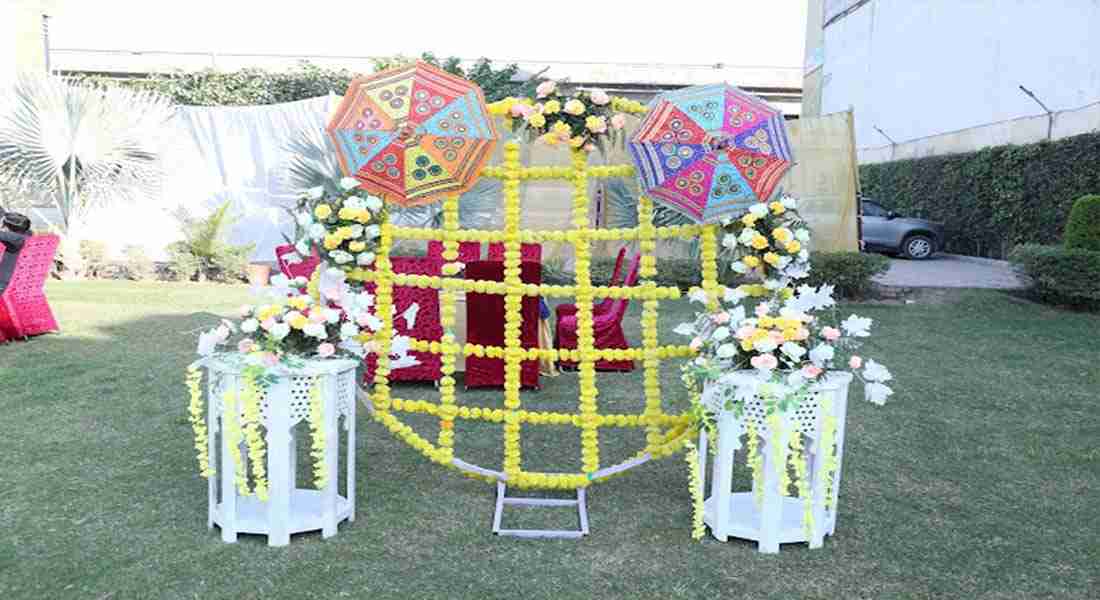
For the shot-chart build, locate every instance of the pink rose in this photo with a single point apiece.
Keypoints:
(326, 350)
(520, 110)
(811, 371)
(600, 97)
(745, 332)
(270, 359)
(776, 336)
(545, 89)
(618, 121)
(696, 343)
(317, 316)
(802, 334)
(268, 323)
(761, 310)
(830, 333)
(245, 346)
(855, 362)
(722, 317)
(764, 362)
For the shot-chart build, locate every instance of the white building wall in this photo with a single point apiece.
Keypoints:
(919, 69)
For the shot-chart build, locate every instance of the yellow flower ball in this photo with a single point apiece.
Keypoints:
(793, 246)
(549, 139)
(357, 246)
(344, 232)
(323, 211)
(575, 107)
(759, 242)
(782, 234)
(561, 128)
(347, 213)
(576, 141)
(536, 120)
(298, 322)
(748, 220)
(777, 208)
(551, 107)
(331, 242)
(771, 258)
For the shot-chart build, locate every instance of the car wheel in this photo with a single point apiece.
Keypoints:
(917, 247)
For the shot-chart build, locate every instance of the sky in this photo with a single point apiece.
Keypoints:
(733, 32)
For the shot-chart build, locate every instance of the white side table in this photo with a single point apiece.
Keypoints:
(284, 409)
(779, 518)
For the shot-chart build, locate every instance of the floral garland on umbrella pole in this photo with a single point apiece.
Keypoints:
(783, 338)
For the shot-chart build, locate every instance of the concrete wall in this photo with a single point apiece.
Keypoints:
(21, 45)
(919, 69)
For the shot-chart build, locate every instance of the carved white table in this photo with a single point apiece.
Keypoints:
(778, 519)
(284, 409)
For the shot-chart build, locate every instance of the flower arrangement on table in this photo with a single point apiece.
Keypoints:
(271, 340)
(344, 227)
(780, 335)
(583, 119)
(770, 240)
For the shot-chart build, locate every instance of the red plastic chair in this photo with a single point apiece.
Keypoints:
(485, 325)
(527, 252)
(24, 310)
(607, 329)
(604, 305)
(467, 251)
(427, 325)
(305, 268)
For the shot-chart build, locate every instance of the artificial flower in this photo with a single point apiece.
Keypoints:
(618, 121)
(322, 211)
(857, 326)
(595, 124)
(551, 107)
(855, 362)
(821, 355)
(315, 193)
(349, 183)
(546, 88)
(764, 362)
(574, 107)
(536, 120)
(325, 350)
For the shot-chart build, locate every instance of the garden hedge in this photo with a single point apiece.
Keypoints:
(1061, 275)
(993, 199)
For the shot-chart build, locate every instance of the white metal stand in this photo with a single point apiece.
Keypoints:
(283, 406)
(778, 519)
(503, 499)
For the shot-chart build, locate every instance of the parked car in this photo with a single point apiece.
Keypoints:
(886, 231)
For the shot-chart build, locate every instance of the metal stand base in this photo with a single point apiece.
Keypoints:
(503, 498)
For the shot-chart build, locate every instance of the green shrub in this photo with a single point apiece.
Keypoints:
(1083, 226)
(138, 265)
(204, 252)
(94, 255)
(679, 272)
(850, 272)
(993, 199)
(1066, 276)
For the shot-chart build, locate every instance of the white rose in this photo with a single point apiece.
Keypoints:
(302, 248)
(759, 210)
(356, 231)
(792, 350)
(348, 330)
(317, 231)
(250, 325)
(349, 183)
(315, 193)
(305, 219)
(802, 234)
(726, 350)
(821, 355)
(332, 315)
(316, 330)
(746, 237)
(729, 241)
(720, 334)
(373, 203)
(372, 231)
(876, 372)
(739, 268)
(353, 202)
(856, 326)
(803, 254)
(764, 345)
(684, 329)
(364, 259)
(341, 257)
(789, 202)
(279, 331)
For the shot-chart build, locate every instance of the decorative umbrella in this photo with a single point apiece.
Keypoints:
(710, 151)
(413, 134)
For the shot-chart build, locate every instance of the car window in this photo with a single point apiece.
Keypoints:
(870, 209)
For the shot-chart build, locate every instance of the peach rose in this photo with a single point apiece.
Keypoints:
(326, 350)
(545, 89)
(811, 371)
(245, 346)
(830, 333)
(855, 362)
(600, 97)
(268, 323)
(696, 343)
(521, 110)
(618, 121)
(720, 318)
(764, 362)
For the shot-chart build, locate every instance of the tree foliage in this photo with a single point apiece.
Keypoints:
(253, 86)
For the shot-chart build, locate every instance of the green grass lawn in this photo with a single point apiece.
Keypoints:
(980, 479)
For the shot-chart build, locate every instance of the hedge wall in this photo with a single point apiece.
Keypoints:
(995, 198)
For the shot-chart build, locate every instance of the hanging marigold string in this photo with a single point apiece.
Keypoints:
(198, 420)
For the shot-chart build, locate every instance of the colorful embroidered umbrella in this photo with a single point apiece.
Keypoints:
(710, 151)
(413, 134)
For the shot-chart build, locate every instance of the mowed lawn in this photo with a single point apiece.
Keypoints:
(980, 479)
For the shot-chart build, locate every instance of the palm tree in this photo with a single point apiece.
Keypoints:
(78, 147)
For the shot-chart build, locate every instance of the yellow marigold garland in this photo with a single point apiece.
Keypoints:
(698, 528)
(198, 420)
(798, 458)
(231, 429)
(317, 433)
(447, 347)
(250, 421)
(590, 451)
(755, 461)
(828, 449)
